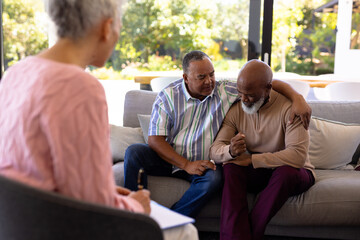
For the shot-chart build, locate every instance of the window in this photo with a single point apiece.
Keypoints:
(155, 35)
(303, 39)
(355, 26)
(24, 29)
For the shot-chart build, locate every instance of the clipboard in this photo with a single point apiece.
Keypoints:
(167, 218)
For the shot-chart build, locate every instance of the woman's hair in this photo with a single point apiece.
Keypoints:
(74, 18)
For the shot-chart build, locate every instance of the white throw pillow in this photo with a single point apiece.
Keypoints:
(332, 144)
(144, 121)
(121, 138)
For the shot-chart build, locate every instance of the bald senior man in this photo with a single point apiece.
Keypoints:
(185, 119)
(261, 153)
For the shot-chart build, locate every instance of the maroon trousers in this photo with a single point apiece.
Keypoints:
(274, 186)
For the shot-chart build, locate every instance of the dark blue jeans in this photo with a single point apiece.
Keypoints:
(202, 188)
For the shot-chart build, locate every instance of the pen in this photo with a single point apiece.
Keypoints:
(140, 179)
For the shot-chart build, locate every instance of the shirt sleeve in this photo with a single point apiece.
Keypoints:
(219, 150)
(295, 153)
(78, 135)
(160, 121)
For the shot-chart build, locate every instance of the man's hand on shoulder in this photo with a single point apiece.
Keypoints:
(302, 109)
(243, 160)
(199, 167)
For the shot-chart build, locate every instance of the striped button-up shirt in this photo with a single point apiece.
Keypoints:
(189, 124)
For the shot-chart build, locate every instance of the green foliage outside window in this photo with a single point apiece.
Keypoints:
(23, 31)
(165, 27)
(157, 33)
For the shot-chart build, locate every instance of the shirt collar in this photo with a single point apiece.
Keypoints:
(188, 96)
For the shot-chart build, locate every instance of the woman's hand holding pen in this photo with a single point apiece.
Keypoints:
(143, 197)
(122, 191)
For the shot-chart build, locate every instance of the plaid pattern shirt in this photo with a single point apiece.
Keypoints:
(190, 125)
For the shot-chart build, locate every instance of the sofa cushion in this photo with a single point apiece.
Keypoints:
(334, 200)
(121, 138)
(332, 144)
(137, 102)
(167, 190)
(144, 121)
(331, 201)
(346, 112)
(118, 170)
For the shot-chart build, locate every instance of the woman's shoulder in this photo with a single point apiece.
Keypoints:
(67, 77)
(49, 70)
(57, 81)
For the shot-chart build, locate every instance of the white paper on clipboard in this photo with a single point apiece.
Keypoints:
(167, 218)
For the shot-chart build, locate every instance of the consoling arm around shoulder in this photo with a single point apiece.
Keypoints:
(299, 105)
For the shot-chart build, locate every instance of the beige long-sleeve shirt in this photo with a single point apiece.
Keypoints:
(268, 135)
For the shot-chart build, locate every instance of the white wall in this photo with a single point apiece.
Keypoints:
(346, 59)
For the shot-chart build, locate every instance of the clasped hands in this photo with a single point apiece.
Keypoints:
(237, 150)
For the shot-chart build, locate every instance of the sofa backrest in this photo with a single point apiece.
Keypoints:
(141, 101)
(344, 111)
(137, 102)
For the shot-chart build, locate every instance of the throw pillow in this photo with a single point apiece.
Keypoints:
(144, 121)
(332, 144)
(121, 138)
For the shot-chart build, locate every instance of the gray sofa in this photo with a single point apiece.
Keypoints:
(329, 210)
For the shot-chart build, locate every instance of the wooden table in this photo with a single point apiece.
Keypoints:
(145, 78)
(314, 82)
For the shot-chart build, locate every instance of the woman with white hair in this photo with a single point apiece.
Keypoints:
(54, 123)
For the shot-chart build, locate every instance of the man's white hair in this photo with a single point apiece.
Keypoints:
(74, 18)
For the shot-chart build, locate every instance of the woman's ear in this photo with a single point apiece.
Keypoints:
(106, 29)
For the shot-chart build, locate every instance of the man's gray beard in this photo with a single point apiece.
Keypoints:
(254, 108)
